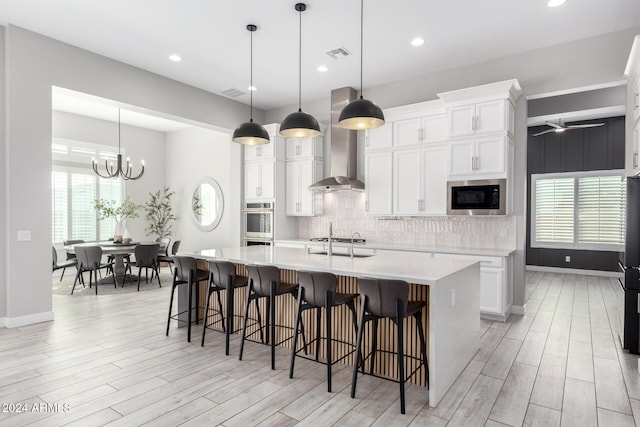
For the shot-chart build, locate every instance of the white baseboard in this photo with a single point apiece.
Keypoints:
(3, 322)
(520, 310)
(574, 271)
(16, 322)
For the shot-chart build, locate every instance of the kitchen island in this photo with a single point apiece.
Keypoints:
(449, 286)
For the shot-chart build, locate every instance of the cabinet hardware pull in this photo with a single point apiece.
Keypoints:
(258, 151)
(477, 122)
(366, 206)
(366, 141)
(477, 163)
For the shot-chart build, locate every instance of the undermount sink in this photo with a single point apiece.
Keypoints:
(341, 254)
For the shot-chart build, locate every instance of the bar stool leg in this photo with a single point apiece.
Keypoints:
(230, 296)
(173, 289)
(272, 321)
(374, 345)
(224, 328)
(423, 346)
(327, 315)
(206, 315)
(318, 318)
(190, 308)
(354, 377)
(295, 333)
(400, 329)
(246, 317)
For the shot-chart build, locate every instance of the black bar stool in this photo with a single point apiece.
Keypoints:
(223, 277)
(389, 299)
(186, 273)
(264, 282)
(318, 290)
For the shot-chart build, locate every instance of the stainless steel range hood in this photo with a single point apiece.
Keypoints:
(343, 148)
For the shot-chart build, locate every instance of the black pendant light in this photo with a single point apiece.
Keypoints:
(250, 133)
(119, 170)
(361, 113)
(300, 124)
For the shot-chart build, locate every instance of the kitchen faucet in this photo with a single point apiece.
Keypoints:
(353, 237)
(330, 251)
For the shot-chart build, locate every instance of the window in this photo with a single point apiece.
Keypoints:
(74, 189)
(579, 210)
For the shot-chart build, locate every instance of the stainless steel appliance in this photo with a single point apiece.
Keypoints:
(481, 197)
(258, 220)
(257, 242)
(631, 269)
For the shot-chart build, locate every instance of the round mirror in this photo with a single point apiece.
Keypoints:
(207, 204)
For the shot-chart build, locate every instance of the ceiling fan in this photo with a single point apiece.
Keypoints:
(559, 126)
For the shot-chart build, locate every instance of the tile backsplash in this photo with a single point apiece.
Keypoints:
(345, 209)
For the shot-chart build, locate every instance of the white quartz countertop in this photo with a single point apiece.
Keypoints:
(411, 248)
(414, 268)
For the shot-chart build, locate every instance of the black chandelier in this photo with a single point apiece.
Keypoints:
(117, 171)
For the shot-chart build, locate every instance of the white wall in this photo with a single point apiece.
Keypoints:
(193, 154)
(137, 143)
(3, 239)
(33, 65)
(571, 65)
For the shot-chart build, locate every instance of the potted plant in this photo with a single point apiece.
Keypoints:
(159, 213)
(127, 209)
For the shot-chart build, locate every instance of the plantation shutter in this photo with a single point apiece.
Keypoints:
(601, 208)
(554, 210)
(83, 214)
(59, 206)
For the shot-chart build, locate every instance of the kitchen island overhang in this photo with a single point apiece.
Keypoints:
(451, 288)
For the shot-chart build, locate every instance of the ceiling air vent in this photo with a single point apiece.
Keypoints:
(338, 53)
(232, 93)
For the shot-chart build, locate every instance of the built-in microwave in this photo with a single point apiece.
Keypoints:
(481, 197)
(258, 220)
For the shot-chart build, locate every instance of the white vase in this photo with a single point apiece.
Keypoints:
(120, 230)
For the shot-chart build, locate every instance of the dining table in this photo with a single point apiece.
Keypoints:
(120, 251)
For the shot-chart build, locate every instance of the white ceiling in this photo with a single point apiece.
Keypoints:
(212, 39)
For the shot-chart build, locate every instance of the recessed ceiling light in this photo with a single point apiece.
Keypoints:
(175, 58)
(323, 68)
(556, 3)
(252, 88)
(417, 42)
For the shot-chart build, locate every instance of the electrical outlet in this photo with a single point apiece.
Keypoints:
(453, 297)
(567, 258)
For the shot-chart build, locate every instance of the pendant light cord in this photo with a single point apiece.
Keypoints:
(300, 61)
(251, 89)
(119, 131)
(361, 43)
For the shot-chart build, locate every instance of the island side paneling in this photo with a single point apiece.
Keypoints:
(343, 328)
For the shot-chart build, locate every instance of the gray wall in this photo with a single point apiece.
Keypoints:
(34, 64)
(598, 148)
(577, 64)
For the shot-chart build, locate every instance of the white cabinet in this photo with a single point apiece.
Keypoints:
(636, 147)
(378, 183)
(420, 130)
(260, 152)
(480, 118)
(300, 201)
(301, 148)
(478, 157)
(379, 138)
(259, 180)
(420, 181)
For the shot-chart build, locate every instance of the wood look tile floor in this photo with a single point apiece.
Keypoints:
(106, 361)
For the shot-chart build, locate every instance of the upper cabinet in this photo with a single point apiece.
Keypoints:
(379, 138)
(420, 130)
(303, 167)
(481, 118)
(260, 166)
(303, 148)
(478, 158)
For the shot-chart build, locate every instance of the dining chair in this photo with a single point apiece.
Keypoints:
(169, 257)
(147, 258)
(62, 264)
(90, 259)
